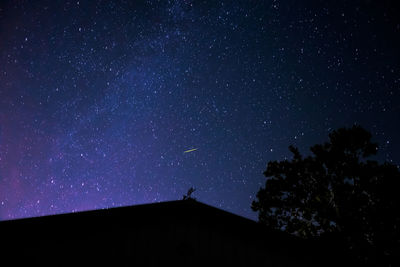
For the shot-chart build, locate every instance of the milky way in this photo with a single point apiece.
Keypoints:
(99, 100)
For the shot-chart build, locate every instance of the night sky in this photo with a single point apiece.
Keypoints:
(99, 100)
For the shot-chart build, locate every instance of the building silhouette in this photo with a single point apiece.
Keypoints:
(180, 233)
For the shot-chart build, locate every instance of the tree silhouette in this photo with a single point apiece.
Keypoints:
(337, 192)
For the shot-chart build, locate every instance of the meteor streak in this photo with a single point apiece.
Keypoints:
(190, 150)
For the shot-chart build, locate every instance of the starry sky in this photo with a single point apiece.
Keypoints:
(100, 99)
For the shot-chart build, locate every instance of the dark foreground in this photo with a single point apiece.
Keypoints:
(179, 233)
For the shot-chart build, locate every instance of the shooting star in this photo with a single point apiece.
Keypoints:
(190, 150)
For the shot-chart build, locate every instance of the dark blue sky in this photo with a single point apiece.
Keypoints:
(100, 99)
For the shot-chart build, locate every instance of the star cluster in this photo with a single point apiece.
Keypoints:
(100, 99)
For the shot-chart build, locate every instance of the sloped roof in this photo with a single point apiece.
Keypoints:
(47, 230)
(188, 211)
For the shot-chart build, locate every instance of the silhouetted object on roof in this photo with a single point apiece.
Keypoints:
(189, 194)
(338, 196)
(176, 233)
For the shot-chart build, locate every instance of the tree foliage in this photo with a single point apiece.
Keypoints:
(336, 190)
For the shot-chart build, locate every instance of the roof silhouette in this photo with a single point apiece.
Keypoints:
(176, 230)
